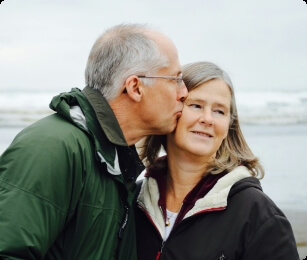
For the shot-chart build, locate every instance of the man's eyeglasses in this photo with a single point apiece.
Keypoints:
(177, 79)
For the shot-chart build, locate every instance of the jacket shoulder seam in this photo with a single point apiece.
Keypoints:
(40, 197)
(272, 217)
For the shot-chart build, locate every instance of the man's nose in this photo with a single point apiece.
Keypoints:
(182, 92)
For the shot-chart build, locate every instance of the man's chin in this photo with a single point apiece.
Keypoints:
(167, 128)
(172, 128)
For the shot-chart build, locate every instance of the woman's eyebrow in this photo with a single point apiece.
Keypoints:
(195, 100)
(202, 101)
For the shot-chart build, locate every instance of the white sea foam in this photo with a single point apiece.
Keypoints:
(23, 108)
(272, 107)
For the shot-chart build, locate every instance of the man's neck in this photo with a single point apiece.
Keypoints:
(127, 117)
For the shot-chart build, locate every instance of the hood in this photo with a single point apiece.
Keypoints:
(216, 199)
(65, 105)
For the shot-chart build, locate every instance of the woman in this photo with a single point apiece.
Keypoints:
(203, 200)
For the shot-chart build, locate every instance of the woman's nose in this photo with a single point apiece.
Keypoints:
(206, 118)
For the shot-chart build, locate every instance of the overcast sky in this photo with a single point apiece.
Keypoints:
(44, 44)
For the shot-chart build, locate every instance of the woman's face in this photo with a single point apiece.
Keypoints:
(204, 122)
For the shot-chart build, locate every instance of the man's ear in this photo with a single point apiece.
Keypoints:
(133, 88)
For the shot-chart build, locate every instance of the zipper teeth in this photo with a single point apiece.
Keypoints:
(162, 245)
(121, 230)
(126, 217)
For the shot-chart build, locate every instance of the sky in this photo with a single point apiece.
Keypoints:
(44, 45)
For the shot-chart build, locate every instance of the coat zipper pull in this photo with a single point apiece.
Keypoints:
(160, 252)
(158, 255)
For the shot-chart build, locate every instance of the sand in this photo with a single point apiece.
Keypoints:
(298, 220)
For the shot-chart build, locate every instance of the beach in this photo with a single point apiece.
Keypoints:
(298, 221)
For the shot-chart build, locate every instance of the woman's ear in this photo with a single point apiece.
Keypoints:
(133, 88)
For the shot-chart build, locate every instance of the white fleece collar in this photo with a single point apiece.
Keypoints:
(216, 198)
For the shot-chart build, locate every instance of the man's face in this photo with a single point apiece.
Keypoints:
(163, 100)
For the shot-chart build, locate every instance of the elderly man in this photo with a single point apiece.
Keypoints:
(67, 182)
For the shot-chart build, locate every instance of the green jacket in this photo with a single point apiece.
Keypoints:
(66, 187)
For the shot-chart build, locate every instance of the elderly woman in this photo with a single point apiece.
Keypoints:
(203, 199)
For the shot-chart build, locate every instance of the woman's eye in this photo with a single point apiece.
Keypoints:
(195, 106)
(221, 112)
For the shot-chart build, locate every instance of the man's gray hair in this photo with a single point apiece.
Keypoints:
(122, 51)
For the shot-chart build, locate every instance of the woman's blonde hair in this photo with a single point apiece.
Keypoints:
(234, 150)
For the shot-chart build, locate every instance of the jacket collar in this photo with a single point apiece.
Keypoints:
(105, 116)
(199, 191)
(215, 199)
(105, 136)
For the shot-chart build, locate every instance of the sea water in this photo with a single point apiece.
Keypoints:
(19, 108)
(282, 151)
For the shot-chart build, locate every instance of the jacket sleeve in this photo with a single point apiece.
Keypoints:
(39, 177)
(273, 240)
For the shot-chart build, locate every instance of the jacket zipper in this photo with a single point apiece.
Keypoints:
(122, 229)
(160, 252)
(163, 241)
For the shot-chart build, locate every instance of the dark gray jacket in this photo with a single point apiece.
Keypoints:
(235, 220)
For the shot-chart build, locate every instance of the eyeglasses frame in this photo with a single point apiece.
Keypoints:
(179, 79)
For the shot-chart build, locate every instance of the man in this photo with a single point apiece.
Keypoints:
(67, 182)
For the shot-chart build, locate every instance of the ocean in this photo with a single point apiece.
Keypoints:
(19, 108)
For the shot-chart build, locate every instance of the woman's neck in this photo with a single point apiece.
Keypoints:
(183, 175)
